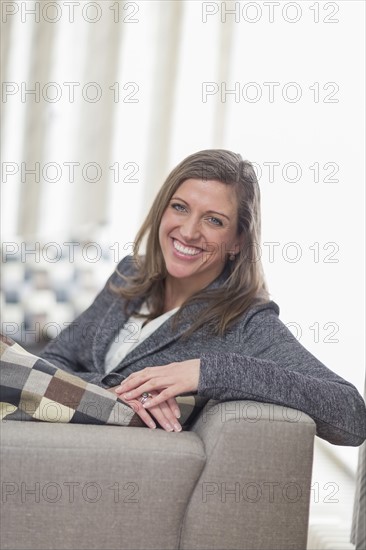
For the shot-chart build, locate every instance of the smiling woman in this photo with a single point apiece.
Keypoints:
(204, 221)
(202, 319)
(198, 226)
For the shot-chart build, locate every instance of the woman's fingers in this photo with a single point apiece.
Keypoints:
(166, 420)
(172, 379)
(169, 416)
(138, 409)
(164, 414)
(162, 397)
(172, 402)
(135, 379)
(157, 377)
(149, 386)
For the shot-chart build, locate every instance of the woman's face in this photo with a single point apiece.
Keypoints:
(198, 230)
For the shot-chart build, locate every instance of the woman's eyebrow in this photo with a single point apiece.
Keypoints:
(207, 212)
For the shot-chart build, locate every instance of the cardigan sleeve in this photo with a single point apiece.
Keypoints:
(273, 367)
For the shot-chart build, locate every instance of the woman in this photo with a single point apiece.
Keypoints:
(194, 316)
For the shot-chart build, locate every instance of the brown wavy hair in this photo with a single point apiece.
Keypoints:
(245, 283)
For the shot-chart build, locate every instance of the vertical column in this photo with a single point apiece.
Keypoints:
(167, 58)
(223, 75)
(95, 132)
(35, 129)
(5, 38)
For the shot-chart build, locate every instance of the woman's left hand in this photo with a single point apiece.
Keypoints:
(170, 380)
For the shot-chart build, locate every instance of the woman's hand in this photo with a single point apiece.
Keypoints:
(169, 380)
(166, 413)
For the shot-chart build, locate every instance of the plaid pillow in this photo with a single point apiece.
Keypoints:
(31, 388)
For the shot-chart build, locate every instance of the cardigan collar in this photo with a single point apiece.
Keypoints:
(115, 318)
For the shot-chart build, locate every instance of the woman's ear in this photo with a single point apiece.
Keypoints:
(239, 243)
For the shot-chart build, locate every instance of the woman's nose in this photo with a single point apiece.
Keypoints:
(190, 230)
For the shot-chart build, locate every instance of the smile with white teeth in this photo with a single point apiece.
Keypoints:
(189, 251)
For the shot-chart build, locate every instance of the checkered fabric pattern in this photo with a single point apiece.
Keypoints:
(31, 388)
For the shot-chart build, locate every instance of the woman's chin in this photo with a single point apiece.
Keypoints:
(180, 272)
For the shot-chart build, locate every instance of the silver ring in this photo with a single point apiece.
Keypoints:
(144, 397)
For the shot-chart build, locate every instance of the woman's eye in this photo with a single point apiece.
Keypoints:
(215, 221)
(178, 207)
(181, 208)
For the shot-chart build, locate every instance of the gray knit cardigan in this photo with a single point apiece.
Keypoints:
(258, 359)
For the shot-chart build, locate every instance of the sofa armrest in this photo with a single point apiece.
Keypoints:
(254, 490)
(67, 486)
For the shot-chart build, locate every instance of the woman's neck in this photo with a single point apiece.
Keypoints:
(175, 294)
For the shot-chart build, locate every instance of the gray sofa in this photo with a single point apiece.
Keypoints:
(240, 478)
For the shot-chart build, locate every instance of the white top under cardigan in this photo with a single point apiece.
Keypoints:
(131, 335)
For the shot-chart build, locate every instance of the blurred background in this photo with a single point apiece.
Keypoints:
(100, 100)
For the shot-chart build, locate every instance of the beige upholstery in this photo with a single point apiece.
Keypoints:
(239, 479)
